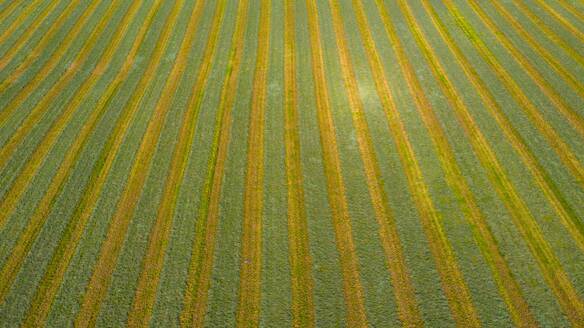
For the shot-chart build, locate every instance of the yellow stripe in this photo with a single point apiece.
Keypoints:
(549, 264)
(18, 21)
(248, 311)
(562, 149)
(453, 284)
(566, 214)
(508, 287)
(543, 26)
(568, 77)
(119, 223)
(570, 113)
(300, 260)
(67, 245)
(18, 187)
(48, 66)
(37, 50)
(9, 9)
(201, 266)
(153, 261)
(562, 20)
(571, 8)
(356, 316)
(42, 210)
(402, 285)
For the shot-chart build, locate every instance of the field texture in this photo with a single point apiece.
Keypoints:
(299, 163)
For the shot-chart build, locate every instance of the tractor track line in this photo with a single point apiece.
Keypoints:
(204, 241)
(44, 207)
(22, 181)
(52, 62)
(563, 151)
(145, 297)
(111, 247)
(354, 295)
(67, 246)
(551, 191)
(248, 309)
(401, 282)
(569, 113)
(548, 263)
(303, 311)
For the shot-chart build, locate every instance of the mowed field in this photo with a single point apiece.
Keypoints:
(297, 163)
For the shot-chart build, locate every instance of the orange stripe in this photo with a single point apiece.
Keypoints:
(101, 277)
(44, 207)
(570, 113)
(566, 214)
(543, 26)
(48, 66)
(568, 77)
(508, 287)
(562, 149)
(300, 260)
(453, 284)
(356, 316)
(549, 264)
(18, 21)
(67, 246)
(20, 184)
(401, 281)
(562, 20)
(153, 261)
(248, 312)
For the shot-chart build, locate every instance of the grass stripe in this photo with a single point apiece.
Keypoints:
(201, 265)
(402, 285)
(42, 210)
(145, 298)
(354, 298)
(111, 247)
(549, 264)
(67, 246)
(571, 8)
(23, 15)
(508, 286)
(453, 284)
(530, 109)
(11, 7)
(570, 113)
(19, 186)
(543, 27)
(300, 259)
(565, 212)
(38, 77)
(568, 77)
(37, 50)
(560, 19)
(248, 312)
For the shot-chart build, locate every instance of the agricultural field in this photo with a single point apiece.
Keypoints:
(309, 163)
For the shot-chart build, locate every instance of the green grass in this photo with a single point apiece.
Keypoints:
(507, 221)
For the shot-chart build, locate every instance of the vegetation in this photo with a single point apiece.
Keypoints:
(291, 163)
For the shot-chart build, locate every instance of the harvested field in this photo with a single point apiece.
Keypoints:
(296, 163)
